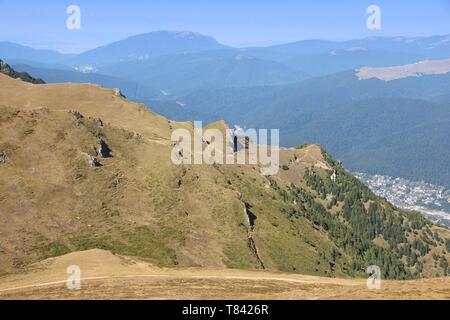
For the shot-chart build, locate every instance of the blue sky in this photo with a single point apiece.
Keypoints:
(42, 24)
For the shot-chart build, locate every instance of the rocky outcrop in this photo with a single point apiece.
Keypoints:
(119, 93)
(137, 136)
(104, 150)
(3, 158)
(93, 162)
(251, 224)
(99, 122)
(79, 118)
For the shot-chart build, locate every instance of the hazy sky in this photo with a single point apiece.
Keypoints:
(42, 24)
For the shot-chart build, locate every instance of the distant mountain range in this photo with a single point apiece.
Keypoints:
(147, 46)
(202, 62)
(309, 89)
(177, 74)
(434, 47)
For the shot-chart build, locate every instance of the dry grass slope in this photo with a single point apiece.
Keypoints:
(60, 193)
(137, 203)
